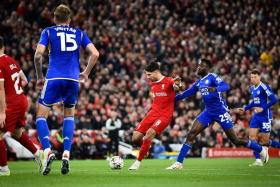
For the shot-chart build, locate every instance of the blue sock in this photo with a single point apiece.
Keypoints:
(257, 155)
(183, 152)
(253, 145)
(43, 132)
(67, 132)
(275, 144)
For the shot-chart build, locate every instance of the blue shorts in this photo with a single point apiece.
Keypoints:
(59, 90)
(262, 123)
(223, 118)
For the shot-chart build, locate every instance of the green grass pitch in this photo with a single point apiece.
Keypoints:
(196, 172)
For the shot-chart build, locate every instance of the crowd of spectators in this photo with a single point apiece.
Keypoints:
(235, 35)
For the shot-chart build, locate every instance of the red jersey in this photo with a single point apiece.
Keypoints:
(10, 74)
(163, 97)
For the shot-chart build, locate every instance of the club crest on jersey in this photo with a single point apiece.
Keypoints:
(207, 81)
(13, 66)
(162, 86)
(258, 92)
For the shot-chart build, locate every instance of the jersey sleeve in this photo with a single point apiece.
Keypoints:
(222, 86)
(272, 97)
(85, 39)
(44, 39)
(187, 93)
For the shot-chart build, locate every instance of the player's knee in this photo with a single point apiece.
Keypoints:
(42, 111)
(190, 137)
(264, 142)
(151, 133)
(69, 111)
(17, 133)
(136, 140)
(1, 135)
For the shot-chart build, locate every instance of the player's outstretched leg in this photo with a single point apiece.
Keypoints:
(145, 147)
(195, 130)
(24, 140)
(262, 150)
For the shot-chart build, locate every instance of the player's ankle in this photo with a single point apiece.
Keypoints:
(66, 155)
(47, 151)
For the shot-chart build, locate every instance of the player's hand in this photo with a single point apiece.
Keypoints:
(178, 86)
(83, 77)
(211, 89)
(177, 80)
(258, 109)
(2, 119)
(40, 84)
(240, 110)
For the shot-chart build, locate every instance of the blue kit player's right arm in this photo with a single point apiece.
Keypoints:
(187, 93)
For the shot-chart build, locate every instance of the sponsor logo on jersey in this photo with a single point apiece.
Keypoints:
(160, 94)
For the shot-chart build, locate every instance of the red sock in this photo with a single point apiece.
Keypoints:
(26, 142)
(3, 153)
(144, 149)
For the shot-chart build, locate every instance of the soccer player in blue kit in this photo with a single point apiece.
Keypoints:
(260, 125)
(61, 84)
(211, 87)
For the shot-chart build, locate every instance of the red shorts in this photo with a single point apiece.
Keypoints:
(15, 116)
(156, 122)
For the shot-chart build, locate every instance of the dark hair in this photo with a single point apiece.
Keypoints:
(206, 61)
(153, 66)
(255, 72)
(62, 13)
(1, 42)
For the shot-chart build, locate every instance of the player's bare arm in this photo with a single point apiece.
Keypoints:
(2, 104)
(38, 59)
(94, 54)
(23, 79)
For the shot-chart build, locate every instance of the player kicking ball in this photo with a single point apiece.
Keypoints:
(211, 87)
(160, 114)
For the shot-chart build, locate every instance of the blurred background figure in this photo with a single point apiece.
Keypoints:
(113, 124)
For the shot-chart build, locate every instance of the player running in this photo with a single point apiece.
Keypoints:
(211, 87)
(260, 124)
(160, 114)
(61, 84)
(13, 106)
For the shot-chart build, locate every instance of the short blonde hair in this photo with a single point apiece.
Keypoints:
(62, 13)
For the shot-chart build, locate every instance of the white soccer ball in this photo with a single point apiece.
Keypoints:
(116, 162)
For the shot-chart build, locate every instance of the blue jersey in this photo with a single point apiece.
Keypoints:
(214, 101)
(64, 44)
(262, 96)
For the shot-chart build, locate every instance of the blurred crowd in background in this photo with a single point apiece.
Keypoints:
(235, 35)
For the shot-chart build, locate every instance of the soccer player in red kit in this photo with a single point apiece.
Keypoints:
(160, 114)
(13, 105)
